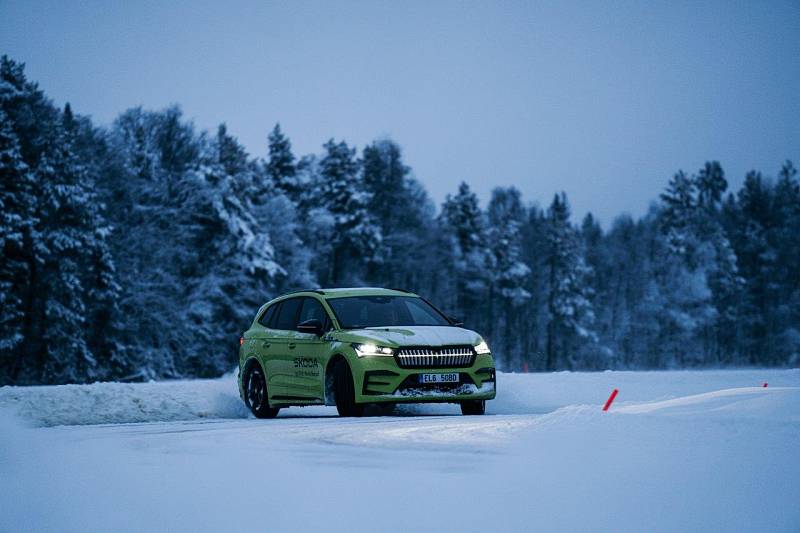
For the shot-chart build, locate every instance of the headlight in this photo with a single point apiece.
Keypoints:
(482, 348)
(363, 350)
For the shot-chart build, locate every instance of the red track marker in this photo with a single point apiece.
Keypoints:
(610, 399)
(765, 385)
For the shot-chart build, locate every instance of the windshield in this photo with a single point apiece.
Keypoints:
(383, 311)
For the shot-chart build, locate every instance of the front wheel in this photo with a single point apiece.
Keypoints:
(256, 396)
(473, 407)
(345, 391)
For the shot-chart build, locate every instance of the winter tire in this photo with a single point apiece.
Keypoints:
(255, 393)
(473, 407)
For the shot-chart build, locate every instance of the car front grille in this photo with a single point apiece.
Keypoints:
(435, 356)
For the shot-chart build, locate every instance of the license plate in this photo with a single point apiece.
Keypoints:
(438, 378)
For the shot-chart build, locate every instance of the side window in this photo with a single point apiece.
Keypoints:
(267, 315)
(313, 309)
(286, 317)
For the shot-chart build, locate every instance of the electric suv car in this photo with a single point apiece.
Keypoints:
(353, 347)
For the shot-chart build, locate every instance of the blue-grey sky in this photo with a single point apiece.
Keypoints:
(602, 100)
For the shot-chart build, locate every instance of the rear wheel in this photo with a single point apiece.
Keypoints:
(255, 393)
(345, 392)
(473, 407)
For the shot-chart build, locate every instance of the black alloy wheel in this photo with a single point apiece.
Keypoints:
(256, 395)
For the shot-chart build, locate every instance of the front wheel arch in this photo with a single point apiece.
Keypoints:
(248, 365)
(330, 392)
(344, 387)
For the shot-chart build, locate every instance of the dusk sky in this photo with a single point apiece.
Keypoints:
(602, 100)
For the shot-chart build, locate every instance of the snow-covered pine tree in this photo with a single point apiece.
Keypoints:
(690, 219)
(464, 225)
(678, 213)
(73, 255)
(281, 219)
(268, 200)
(593, 241)
(234, 261)
(166, 224)
(787, 209)
(764, 218)
(102, 312)
(302, 229)
(17, 234)
(570, 326)
(281, 166)
(711, 185)
(30, 112)
(506, 215)
(628, 302)
(385, 181)
(696, 253)
(356, 236)
(63, 236)
(717, 259)
(462, 214)
(534, 242)
(404, 213)
(149, 238)
(596, 251)
(230, 155)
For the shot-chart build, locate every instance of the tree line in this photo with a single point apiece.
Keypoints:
(142, 250)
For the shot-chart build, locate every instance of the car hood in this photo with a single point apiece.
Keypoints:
(412, 336)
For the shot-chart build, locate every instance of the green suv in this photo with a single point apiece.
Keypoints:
(352, 347)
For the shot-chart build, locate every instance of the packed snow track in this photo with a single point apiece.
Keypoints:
(677, 451)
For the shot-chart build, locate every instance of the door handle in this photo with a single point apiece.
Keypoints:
(266, 344)
(292, 345)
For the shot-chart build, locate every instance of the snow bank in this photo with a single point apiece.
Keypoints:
(776, 404)
(544, 393)
(114, 403)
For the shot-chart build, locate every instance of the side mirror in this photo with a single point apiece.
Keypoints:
(311, 326)
(456, 322)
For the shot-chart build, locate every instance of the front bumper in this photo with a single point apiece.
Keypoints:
(380, 379)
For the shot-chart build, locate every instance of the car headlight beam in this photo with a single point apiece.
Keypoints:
(370, 350)
(482, 348)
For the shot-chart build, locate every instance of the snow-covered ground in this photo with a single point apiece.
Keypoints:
(678, 451)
